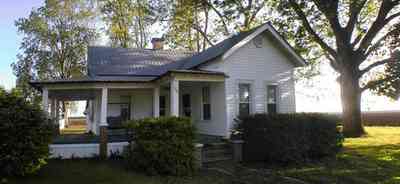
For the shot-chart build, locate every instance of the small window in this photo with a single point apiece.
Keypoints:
(244, 99)
(206, 103)
(272, 99)
(187, 110)
(162, 106)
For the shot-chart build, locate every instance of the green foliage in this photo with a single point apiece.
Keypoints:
(162, 145)
(55, 39)
(389, 83)
(289, 138)
(128, 22)
(25, 133)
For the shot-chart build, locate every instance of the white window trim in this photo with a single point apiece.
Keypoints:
(278, 92)
(202, 104)
(252, 95)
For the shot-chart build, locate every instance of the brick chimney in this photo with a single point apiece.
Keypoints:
(158, 43)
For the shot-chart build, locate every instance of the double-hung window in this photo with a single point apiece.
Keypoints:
(206, 103)
(244, 99)
(162, 105)
(272, 99)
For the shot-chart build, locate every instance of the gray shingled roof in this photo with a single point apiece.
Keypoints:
(107, 61)
(106, 64)
(215, 51)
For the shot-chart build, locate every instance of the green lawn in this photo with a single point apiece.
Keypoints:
(106, 172)
(371, 159)
(374, 158)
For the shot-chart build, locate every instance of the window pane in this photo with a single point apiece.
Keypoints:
(125, 112)
(272, 99)
(162, 105)
(244, 92)
(244, 109)
(271, 94)
(206, 111)
(186, 105)
(162, 102)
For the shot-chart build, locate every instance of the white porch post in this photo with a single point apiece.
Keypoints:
(103, 124)
(156, 102)
(104, 101)
(53, 109)
(89, 115)
(174, 97)
(57, 106)
(45, 100)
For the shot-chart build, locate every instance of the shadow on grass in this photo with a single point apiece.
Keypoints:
(363, 164)
(106, 172)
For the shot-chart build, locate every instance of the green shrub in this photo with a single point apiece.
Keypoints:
(25, 133)
(162, 146)
(288, 138)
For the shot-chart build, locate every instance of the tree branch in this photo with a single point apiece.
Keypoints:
(355, 9)
(203, 34)
(253, 16)
(379, 23)
(219, 14)
(310, 30)
(373, 65)
(378, 43)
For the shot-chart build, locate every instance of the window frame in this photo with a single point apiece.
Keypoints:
(277, 94)
(251, 94)
(203, 104)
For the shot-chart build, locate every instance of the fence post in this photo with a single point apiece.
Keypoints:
(198, 155)
(237, 150)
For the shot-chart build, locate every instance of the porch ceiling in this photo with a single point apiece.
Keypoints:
(71, 94)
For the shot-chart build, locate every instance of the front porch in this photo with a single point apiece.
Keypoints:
(109, 104)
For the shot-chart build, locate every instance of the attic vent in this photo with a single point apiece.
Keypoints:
(258, 41)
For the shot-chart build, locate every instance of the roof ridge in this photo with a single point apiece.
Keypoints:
(143, 49)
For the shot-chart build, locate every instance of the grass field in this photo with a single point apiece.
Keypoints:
(106, 172)
(374, 158)
(371, 159)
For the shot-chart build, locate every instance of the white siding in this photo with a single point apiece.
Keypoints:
(217, 124)
(258, 66)
(141, 101)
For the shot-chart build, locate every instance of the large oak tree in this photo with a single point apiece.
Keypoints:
(354, 38)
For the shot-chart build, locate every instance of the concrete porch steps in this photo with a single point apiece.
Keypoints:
(215, 152)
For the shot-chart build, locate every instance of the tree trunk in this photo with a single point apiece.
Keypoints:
(351, 105)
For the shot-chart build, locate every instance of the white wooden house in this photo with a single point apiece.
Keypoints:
(250, 72)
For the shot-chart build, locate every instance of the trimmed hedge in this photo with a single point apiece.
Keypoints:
(25, 133)
(163, 146)
(289, 138)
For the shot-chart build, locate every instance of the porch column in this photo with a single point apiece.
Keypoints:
(45, 100)
(104, 101)
(156, 102)
(57, 106)
(174, 97)
(103, 123)
(89, 115)
(53, 109)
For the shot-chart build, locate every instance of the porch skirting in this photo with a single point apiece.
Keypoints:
(84, 150)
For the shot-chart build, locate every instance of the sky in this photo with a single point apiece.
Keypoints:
(323, 96)
(11, 10)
